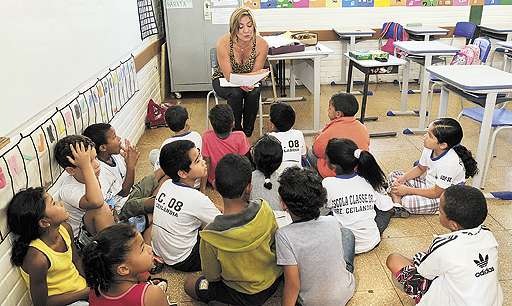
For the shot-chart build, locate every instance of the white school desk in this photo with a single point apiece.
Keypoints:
(426, 31)
(428, 49)
(489, 30)
(481, 79)
(507, 45)
(372, 67)
(347, 37)
(306, 66)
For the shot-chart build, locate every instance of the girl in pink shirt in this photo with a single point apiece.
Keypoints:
(113, 263)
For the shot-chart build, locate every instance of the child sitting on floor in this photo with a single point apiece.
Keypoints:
(177, 120)
(317, 257)
(113, 264)
(237, 248)
(355, 195)
(459, 268)
(80, 189)
(44, 250)
(180, 210)
(267, 155)
(446, 163)
(222, 140)
(342, 109)
(282, 119)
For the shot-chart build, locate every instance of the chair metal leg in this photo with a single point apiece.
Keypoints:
(208, 107)
(261, 116)
(490, 154)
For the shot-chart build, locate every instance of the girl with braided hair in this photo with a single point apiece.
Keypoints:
(114, 262)
(44, 250)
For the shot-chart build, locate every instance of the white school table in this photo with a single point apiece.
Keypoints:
(428, 49)
(507, 45)
(347, 37)
(305, 65)
(426, 31)
(372, 67)
(481, 79)
(502, 29)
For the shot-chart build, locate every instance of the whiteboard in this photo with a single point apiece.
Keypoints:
(49, 48)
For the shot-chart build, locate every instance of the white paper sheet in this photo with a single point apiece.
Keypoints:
(247, 79)
(279, 41)
(221, 15)
(224, 3)
(225, 83)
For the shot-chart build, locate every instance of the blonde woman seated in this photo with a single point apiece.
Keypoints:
(240, 51)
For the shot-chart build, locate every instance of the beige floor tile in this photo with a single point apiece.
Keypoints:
(501, 211)
(407, 246)
(490, 222)
(507, 292)
(370, 274)
(504, 254)
(375, 298)
(410, 227)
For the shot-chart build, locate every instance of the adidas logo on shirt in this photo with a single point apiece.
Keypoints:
(482, 262)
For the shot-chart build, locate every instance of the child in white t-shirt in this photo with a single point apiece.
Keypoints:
(282, 119)
(177, 120)
(180, 210)
(355, 195)
(80, 189)
(459, 268)
(444, 160)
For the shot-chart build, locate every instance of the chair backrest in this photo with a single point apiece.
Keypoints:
(213, 58)
(465, 29)
(484, 44)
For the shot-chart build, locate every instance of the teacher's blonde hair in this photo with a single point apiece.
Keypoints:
(234, 21)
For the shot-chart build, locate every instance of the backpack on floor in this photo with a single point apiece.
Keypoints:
(155, 116)
(469, 55)
(392, 31)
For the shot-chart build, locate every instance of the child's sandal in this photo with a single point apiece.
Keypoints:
(159, 282)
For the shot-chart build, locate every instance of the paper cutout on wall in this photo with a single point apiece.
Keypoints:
(382, 3)
(357, 3)
(50, 131)
(333, 3)
(459, 2)
(3, 181)
(76, 108)
(268, 4)
(476, 2)
(316, 3)
(253, 5)
(398, 2)
(14, 163)
(444, 2)
(414, 2)
(68, 118)
(505, 2)
(300, 3)
(429, 2)
(61, 127)
(41, 143)
(492, 2)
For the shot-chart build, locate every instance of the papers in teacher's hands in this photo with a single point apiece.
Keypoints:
(245, 79)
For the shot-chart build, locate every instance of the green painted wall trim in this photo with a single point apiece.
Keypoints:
(475, 14)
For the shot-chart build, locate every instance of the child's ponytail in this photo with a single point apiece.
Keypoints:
(24, 212)
(449, 131)
(370, 170)
(102, 256)
(470, 164)
(267, 155)
(346, 157)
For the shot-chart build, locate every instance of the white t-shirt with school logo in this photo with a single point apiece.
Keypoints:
(111, 180)
(444, 170)
(180, 211)
(192, 136)
(464, 268)
(294, 146)
(353, 200)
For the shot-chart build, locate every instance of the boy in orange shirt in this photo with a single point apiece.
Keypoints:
(342, 109)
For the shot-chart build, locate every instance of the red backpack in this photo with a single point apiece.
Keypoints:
(155, 116)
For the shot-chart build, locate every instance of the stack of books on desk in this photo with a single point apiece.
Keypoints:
(368, 55)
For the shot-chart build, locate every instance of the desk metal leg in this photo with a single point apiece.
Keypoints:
(405, 91)
(343, 61)
(292, 97)
(365, 97)
(423, 100)
(443, 102)
(349, 80)
(316, 94)
(483, 141)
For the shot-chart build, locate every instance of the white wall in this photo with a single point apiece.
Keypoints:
(129, 123)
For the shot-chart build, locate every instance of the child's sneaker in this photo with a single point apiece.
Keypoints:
(159, 265)
(400, 212)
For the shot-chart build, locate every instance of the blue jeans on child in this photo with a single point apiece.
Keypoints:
(349, 248)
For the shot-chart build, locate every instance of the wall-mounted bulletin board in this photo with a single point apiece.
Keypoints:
(282, 4)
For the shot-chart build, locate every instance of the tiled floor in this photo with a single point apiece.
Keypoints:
(407, 236)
